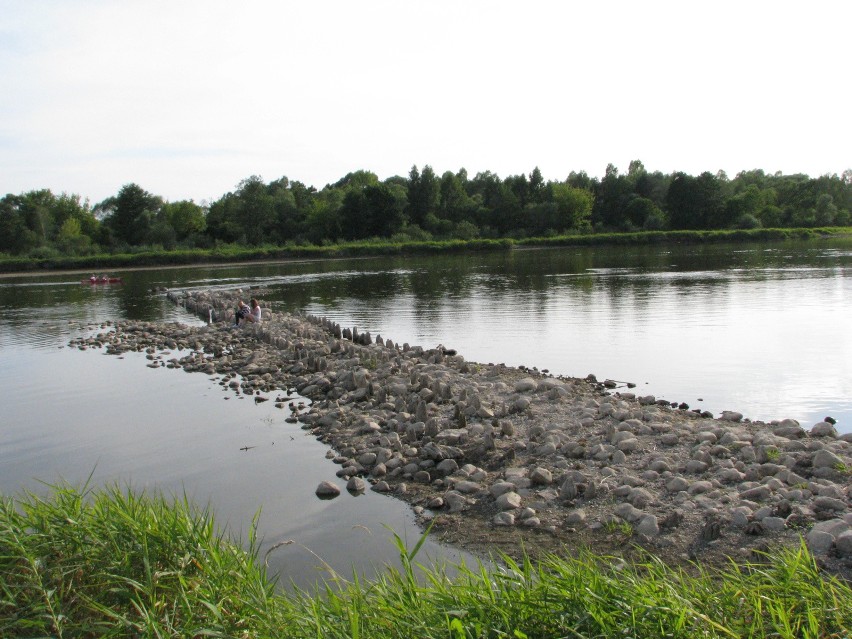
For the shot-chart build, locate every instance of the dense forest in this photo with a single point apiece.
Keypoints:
(421, 206)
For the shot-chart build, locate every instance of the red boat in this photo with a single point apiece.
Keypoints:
(102, 280)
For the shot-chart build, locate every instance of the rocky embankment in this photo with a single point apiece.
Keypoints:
(503, 458)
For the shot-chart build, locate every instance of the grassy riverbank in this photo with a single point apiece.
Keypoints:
(235, 253)
(114, 563)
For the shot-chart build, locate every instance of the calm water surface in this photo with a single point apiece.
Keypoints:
(762, 329)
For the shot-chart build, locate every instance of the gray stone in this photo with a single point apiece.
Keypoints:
(740, 516)
(677, 484)
(525, 385)
(509, 501)
(524, 513)
(758, 493)
(695, 466)
(504, 519)
(825, 459)
(819, 542)
(447, 466)
(576, 517)
(843, 543)
(829, 503)
(521, 404)
(467, 487)
(327, 490)
(367, 459)
(568, 489)
(546, 449)
(762, 513)
(823, 429)
(500, 488)
(707, 436)
(640, 497)
(648, 526)
(628, 512)
(669, 439)
(700, 487)
(356, 485)
(541, 477)
(730, 476)
(790, 432)
(834, 527)
(774, 524)
(830, 490)
(660, 465)
(381, 487)
(619, 457)
(629, 445)
(455, 501)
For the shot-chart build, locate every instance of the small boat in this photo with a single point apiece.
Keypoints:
(102, 280)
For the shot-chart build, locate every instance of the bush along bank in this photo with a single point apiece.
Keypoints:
(499, 457)
(142, 257)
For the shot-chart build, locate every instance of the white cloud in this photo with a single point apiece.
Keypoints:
(188, 98)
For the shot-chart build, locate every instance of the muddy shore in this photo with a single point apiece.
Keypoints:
(513, 459)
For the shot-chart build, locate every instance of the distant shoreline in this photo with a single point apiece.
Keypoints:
(239, 255)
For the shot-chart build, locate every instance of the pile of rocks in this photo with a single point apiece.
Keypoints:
(487, 449)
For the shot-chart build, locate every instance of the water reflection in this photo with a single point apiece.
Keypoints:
(715, 322)
(762, 330)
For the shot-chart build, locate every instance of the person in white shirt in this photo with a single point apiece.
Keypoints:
(256, 313)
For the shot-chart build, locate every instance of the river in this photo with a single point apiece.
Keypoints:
(762, 329)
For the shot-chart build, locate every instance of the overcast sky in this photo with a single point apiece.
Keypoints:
(186, 97)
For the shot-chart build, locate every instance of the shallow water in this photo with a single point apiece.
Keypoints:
(761, 329)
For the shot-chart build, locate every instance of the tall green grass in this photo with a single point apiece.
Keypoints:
(115, 563)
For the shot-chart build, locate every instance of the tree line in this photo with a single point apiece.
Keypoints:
(422, 206)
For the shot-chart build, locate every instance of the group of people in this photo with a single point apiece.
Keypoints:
(246, 313)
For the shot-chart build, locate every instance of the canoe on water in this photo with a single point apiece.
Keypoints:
(102, 280)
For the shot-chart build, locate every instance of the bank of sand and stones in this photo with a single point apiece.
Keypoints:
(512, 459)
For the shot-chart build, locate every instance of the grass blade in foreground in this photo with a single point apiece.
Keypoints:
(113, 563)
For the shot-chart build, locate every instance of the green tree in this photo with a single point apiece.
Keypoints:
(639, 210)
(222, 219)
(185, 218)
(374, 211)
(454, 202)
(15, 237)
(574, 206)
(357, 179)
(324, 221)
(695, 202)
(423, 194)
(536, 187)
(133, 212)
(256, 211)
(611, 196)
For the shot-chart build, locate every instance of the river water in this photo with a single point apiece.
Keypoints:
(762, 329)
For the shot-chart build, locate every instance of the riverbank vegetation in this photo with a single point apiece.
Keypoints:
(114, 563)
(156, 256)
(423, 211)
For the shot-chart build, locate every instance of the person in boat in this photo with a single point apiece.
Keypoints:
(93, 279)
